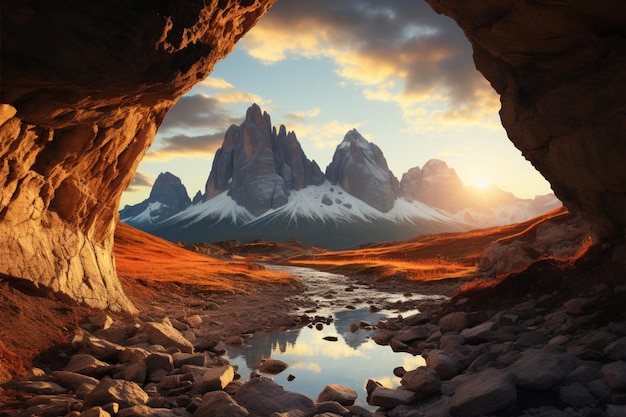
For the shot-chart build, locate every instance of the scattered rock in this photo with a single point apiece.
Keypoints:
(338, 393)
(423, 381)
(390, 398)
(219, 404)
(262, 397)
(272, 366)
(487, 392)
(125, 393)
(540, 370)
(166, 335)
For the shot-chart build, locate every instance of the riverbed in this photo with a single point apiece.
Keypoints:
(338, 349)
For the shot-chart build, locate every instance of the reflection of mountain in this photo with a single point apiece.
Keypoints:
(261, 345)
(343, 320)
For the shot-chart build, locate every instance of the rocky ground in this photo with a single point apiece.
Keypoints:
(547, 354)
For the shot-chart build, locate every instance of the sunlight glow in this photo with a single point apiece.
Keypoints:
(483, 183)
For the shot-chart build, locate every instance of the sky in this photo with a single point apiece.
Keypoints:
(396, 71)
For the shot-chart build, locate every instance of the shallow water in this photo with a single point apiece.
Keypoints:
(315, 362)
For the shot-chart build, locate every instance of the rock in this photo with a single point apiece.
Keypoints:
(86, 365)
(614, 374)
(219, 404)
(616, 350)
(479, 334)
(390, 398)
(193, 321)
(52, 406)
(572, 45)
(132, 354)
(338, 393)
(486, 392)
(159, 361)
(262, 397)
(39, 387)
(215, 378)
(101, 321)
(125, 393)
(576, 305)
(180, 359)
(144, 410)
(455, 321)
(73, 380)
(423, 381)
(101, 349)
(136, 372)
(539, 370)
(272, 366)
(331, 408)
(166, 335)
(360, 168)
(101, 120)
(95, 412)
(413, 333)
(576, 395)
(445, 365)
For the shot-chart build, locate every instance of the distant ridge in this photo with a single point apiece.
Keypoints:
(262, 186)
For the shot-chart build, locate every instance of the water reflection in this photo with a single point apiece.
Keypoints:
(315, 362)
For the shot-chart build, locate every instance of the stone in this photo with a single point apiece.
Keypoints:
(450, 341)
(101, 321)
(539, 370)
(272, 366)
(193, 320)
(616, 350)
(219, 404)
(51, 406)
(95, 412)
(180, 359)
(144, 410)
(445, 365)
(101, 349)
(479, 334)
(215, 378)
(166, 335)
(136, 372)
(413, 333)
(39, 387)
(423, 381)
(84, 364)
(262, 397)
(73, 380)
(159, 361)
(331, 408)
(132, 355)
(455, 321)
(338, 393)
(125, 393)
(614, 374)
(576, 395)
(390, 398)
(576, 306)
(483, 393)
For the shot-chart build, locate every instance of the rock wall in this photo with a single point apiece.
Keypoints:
(84, 87)
(559, 69)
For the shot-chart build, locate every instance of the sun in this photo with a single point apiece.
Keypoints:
(483, 183)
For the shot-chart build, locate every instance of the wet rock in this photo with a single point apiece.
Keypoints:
(390, 398)
(166, 335)
(486, 392)
(539, 370)
(335, 392)
(423, 381)
(272, 366)
(382, 336)
(262, 397)
(125, 393)
(219, 404)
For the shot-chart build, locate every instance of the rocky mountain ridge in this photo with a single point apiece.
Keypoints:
(262, 185)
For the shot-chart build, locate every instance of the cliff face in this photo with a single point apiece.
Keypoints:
(85, 85)
(84, 88)
(559, 69)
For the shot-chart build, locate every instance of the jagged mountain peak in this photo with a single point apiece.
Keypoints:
(360, 167)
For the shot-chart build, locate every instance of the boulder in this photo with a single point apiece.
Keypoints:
(84, 364)
(486, 392)
(614, 374)
(272, 366)
(125, 393)
(390, 398)
(423, 381)
(540, 370)
(262, 397)
(73, 380)
(219, 404)
(339, 393)
(166, 335)
(444, 364)
(215, 378)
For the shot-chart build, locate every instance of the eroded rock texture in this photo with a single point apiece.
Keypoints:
(559, 69)
(84, 87)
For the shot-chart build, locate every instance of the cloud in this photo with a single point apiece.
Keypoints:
(303, 116)
(397, 51)
(183, 145)
(198, 111)
(140, 180)
(216, 83)
(324, 136)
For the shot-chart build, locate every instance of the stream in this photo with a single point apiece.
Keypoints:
(350, 357)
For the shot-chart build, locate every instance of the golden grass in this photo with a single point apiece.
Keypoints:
(430, 257)
(146, 258)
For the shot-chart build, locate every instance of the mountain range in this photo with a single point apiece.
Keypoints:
(262, 186)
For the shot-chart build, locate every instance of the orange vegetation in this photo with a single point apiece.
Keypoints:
(430, 257)
(148, 260)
